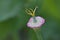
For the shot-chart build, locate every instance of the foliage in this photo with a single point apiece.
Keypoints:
(13, 18)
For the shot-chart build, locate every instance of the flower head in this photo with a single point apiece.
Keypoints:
(37, 24)
(34, 21)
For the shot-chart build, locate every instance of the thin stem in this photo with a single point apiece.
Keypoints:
(38, 34)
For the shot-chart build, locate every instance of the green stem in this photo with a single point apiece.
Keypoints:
(38, 34)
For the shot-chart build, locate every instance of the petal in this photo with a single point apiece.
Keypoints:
(39, 22)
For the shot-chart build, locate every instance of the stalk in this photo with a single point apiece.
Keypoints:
(38, 33)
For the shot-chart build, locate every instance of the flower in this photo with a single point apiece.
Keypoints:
(34, 21)
(38, 23)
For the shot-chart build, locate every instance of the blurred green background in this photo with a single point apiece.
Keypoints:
(13, 19)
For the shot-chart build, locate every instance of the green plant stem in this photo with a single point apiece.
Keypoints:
(38, 34)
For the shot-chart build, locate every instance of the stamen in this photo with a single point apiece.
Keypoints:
(28, 12)
(35, 10)
(31, 10)
(32, 13)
